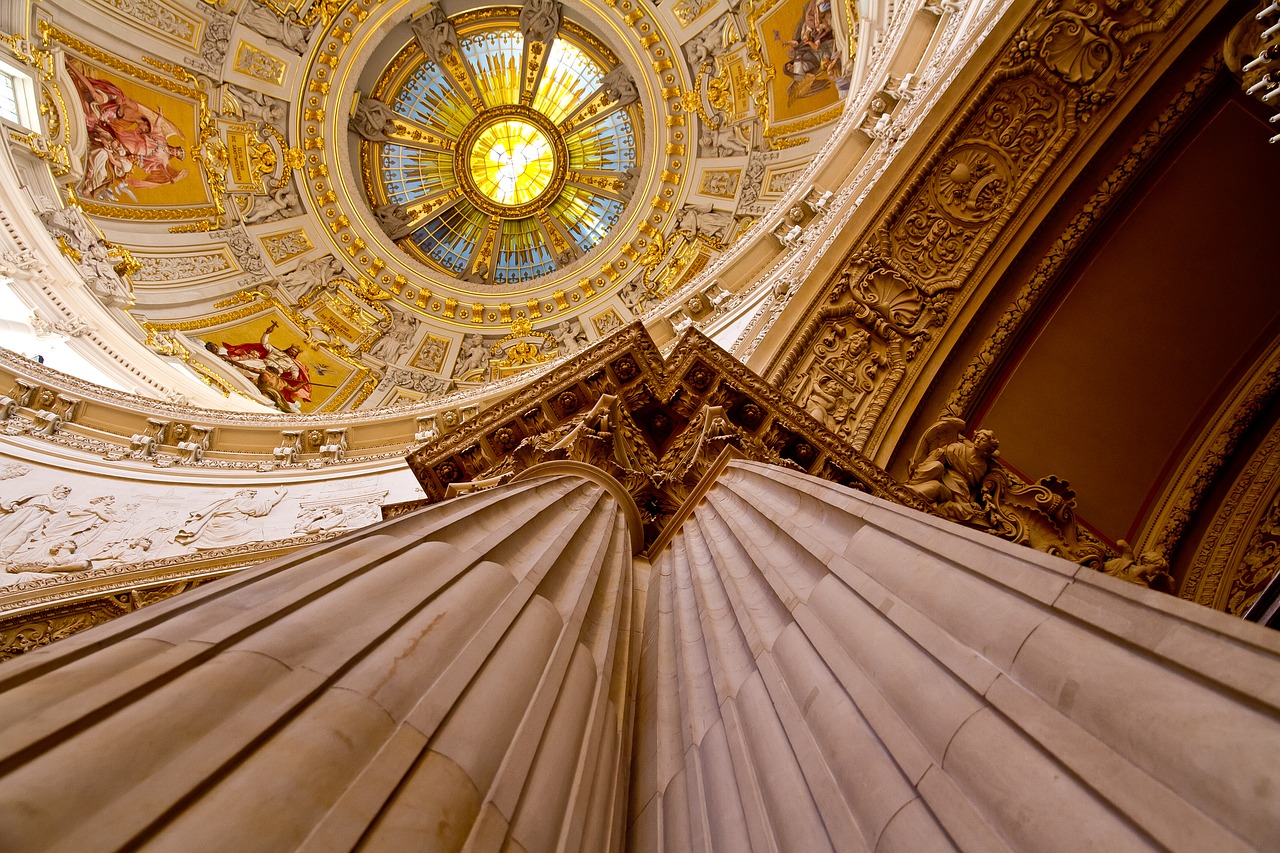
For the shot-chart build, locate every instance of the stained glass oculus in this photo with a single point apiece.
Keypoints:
(517, 169)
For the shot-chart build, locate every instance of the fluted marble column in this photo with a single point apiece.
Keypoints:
(453, 679)
(825, 671)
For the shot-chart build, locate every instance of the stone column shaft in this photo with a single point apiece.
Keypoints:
(438, 681)
(832, 672)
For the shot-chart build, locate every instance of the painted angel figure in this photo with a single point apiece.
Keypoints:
(948, 469)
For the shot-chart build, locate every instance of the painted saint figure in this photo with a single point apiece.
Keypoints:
(815, 60)
(278, 373)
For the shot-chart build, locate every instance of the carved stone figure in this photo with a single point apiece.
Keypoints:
(618, 86)
(20, 519)
(540, 20)
(630, 179)
(1145, 570)
(287, 34)
(715, 225)
(321, 519)
(474, 355)
(229, 521)
(312, 274)
(434, 33)
(260, 108)
(70, 524)
(635, 297)
(280, 204)
(131, 550)
(707, 44)
(373, 120)
(394, 220)
(392, 345)
(826, 402)
(721, 142)
(948, 469)
(95, 265)
(415, 380)
(61, 556)
(569, 336)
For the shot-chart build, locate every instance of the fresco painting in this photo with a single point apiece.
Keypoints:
(140, 142)
(804, 45)
(293, 375)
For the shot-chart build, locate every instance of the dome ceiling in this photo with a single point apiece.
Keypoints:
(515, 168)
(374, 203)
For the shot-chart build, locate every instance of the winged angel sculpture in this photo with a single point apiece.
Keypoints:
(949, 470)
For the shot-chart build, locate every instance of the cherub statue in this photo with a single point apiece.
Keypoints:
(473, 355)
(948, 470)
(280, 204)
(1144, 570)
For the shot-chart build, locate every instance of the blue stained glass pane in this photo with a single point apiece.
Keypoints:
(494, 57)
(609, 144)
(450, 238)
(586, 216)
(522, 252)
(411, 173)
(429, 96)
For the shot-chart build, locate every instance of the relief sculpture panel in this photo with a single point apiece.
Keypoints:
(955, 211)
(1065, 65)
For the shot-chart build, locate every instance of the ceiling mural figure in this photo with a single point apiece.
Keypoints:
(278, 373)
(131, 145)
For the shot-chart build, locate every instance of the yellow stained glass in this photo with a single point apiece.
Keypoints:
(512, 162)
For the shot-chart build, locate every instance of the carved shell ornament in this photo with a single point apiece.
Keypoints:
(973, 182)
(1074, 51)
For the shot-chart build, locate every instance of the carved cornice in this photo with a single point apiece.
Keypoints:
(656, 426)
